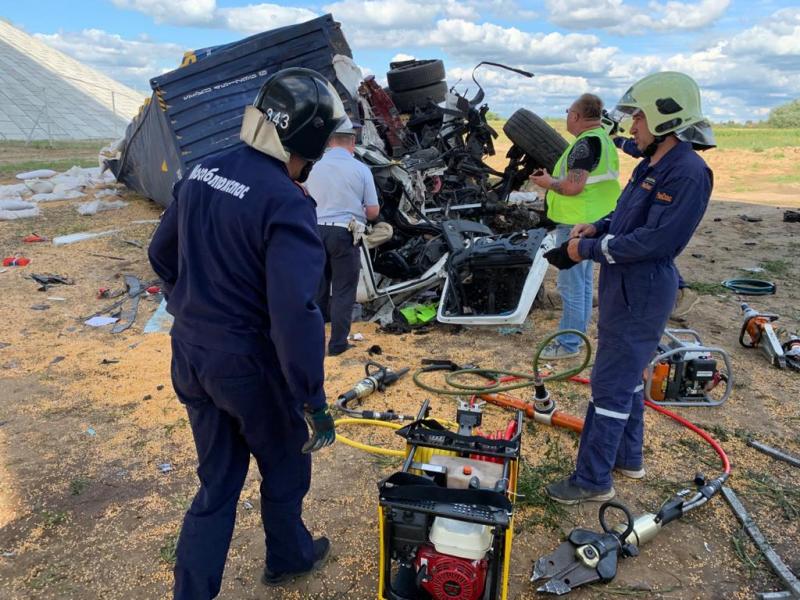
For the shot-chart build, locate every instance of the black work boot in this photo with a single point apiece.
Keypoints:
(566, 492)
(322, 548)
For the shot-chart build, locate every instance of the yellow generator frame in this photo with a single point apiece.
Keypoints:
(493, 508)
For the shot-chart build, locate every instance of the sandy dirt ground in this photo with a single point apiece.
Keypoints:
(87, 418)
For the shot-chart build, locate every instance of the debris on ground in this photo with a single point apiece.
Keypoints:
(45, 280)
(39, 173)
(34, 238)
(95, 206)
(11, 210)
(750, 219)
(100, 321)
(16, 261)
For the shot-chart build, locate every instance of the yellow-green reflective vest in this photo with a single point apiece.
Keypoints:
(599, 196)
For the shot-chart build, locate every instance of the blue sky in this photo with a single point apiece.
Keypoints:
(744, 55)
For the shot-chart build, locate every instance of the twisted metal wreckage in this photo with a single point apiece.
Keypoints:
(459, 229)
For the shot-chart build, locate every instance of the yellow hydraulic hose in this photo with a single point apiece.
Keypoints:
(375, 449)
(366, 447)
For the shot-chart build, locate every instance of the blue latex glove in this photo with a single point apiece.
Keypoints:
(322, 429)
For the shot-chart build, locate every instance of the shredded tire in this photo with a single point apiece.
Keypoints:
(536, 138)
(406, 101)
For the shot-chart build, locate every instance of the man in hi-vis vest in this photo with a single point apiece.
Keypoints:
(584, 187)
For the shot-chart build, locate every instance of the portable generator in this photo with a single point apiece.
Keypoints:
(685, 371)
(446, 518)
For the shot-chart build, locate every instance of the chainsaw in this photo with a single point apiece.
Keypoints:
(757, 327)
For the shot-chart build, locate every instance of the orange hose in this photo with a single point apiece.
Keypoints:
(566, 421)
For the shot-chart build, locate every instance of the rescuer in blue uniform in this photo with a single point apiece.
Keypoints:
(636, 245)
(241, 260)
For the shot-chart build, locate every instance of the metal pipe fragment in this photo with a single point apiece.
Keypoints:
(772, 558)
(774, 453)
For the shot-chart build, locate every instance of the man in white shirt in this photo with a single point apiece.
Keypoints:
(344, 190)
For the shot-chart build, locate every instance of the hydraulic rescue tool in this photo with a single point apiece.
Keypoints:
(446, 518)
(378, 378)
(588, 556)
(685, 371)
(760, 333)
(791, 352)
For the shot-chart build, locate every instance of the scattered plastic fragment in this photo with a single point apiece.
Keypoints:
(16, 261)
(90, 431)
(509, 330)
(95, 206)
(34, 238)
(100, 321)
(165, 467)
(62, 240)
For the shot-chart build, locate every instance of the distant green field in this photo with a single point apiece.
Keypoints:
(756, 139)
(728, 137)
(16, 156)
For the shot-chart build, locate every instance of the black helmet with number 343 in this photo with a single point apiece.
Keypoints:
(305, 108)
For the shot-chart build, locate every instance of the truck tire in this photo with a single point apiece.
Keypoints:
(536, 138)
(406, 101)
(416, 74)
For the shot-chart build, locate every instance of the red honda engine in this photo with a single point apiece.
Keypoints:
(450, 577)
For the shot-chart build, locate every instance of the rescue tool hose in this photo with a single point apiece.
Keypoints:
(375, 423)
(366, 447)
(456, 388)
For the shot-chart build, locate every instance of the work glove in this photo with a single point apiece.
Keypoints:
(559, 258)
(322, 429)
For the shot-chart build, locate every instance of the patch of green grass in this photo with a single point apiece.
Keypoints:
(777, 267)
(785, 497)
(54, 518)
(385, 462)
(167, 552)
(718, 431)
(739, 543)
(78, 485)
(533, 479)
(704, 289)
(170, 428)
(47, 576)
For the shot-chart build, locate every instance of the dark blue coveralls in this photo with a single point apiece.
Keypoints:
(629, 147)
(655, 218)
(241, 260)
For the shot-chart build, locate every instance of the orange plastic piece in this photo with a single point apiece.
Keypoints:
(16, 261)
(467, 470)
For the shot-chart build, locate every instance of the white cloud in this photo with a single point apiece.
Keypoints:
(174, 12)
(622, 18)
(393, 14)
(205, 13)
(132, 62)
(254, 18)
(400, 57)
